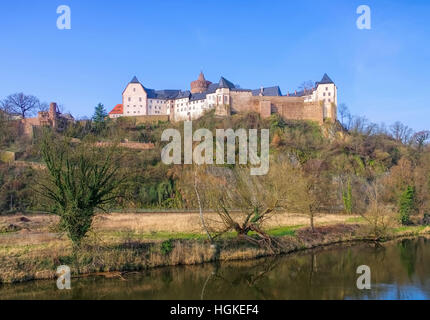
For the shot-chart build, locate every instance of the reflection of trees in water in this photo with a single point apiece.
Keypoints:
(315, 275)
(399, 270)
(320, 274)
(248, 279)
(408, 255)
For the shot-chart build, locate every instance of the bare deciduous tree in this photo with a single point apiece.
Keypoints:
(244, 202)
(311, 189)
(25, 105)
(345, 116)
(420, 139)
(378, 215)
(307, 86)
(401, 132)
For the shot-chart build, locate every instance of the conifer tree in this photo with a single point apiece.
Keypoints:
(99, 118)
(406, 205)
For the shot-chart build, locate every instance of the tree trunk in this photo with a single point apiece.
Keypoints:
(312, 222)
(202, 219)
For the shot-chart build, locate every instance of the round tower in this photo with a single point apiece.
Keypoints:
(200, 85)
(52, 115)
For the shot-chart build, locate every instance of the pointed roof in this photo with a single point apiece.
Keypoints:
(326, 80)
(224, 83)
(202, 77)
(134, 80)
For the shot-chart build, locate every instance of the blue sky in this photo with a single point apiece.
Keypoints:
(382, 73)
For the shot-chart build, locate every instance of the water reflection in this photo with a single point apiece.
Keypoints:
(400, 270)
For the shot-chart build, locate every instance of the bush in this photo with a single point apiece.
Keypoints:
(167, 247)
(426, 219)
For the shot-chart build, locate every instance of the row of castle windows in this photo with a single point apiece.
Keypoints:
(150, 101)
(155, 107)
(134, 112)
(189, 109)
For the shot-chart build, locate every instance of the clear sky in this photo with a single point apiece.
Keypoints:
(382, 73)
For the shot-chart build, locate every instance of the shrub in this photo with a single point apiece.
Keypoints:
(167, 247)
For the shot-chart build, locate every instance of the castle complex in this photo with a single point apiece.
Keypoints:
(317, 103)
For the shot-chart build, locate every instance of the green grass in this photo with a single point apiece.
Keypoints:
(276, 232)
(284, 231)
(281, 231)
(355, 220)
(415, 229)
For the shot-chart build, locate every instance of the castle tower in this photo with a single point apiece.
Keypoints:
(326, 92)
(200, 85)
(53, 114)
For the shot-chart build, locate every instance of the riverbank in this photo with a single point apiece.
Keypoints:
(32, 250)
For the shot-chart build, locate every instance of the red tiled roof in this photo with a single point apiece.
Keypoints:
(117, 110)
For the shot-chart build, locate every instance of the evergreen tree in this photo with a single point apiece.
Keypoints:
(347, 198)
(99, 114)
(99, 118)
(407, 205)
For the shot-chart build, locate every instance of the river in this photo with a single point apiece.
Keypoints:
(399, 270)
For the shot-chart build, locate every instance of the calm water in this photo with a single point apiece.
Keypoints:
(400, 270)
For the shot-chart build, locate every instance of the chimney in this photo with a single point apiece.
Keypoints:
(261, 91)
(295, 92)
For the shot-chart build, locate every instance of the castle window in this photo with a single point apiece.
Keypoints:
(326, 88)
(129, 99)
(324, 94)
(329, 94)
(140, 99)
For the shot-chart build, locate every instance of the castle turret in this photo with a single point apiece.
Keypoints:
(200, 85)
